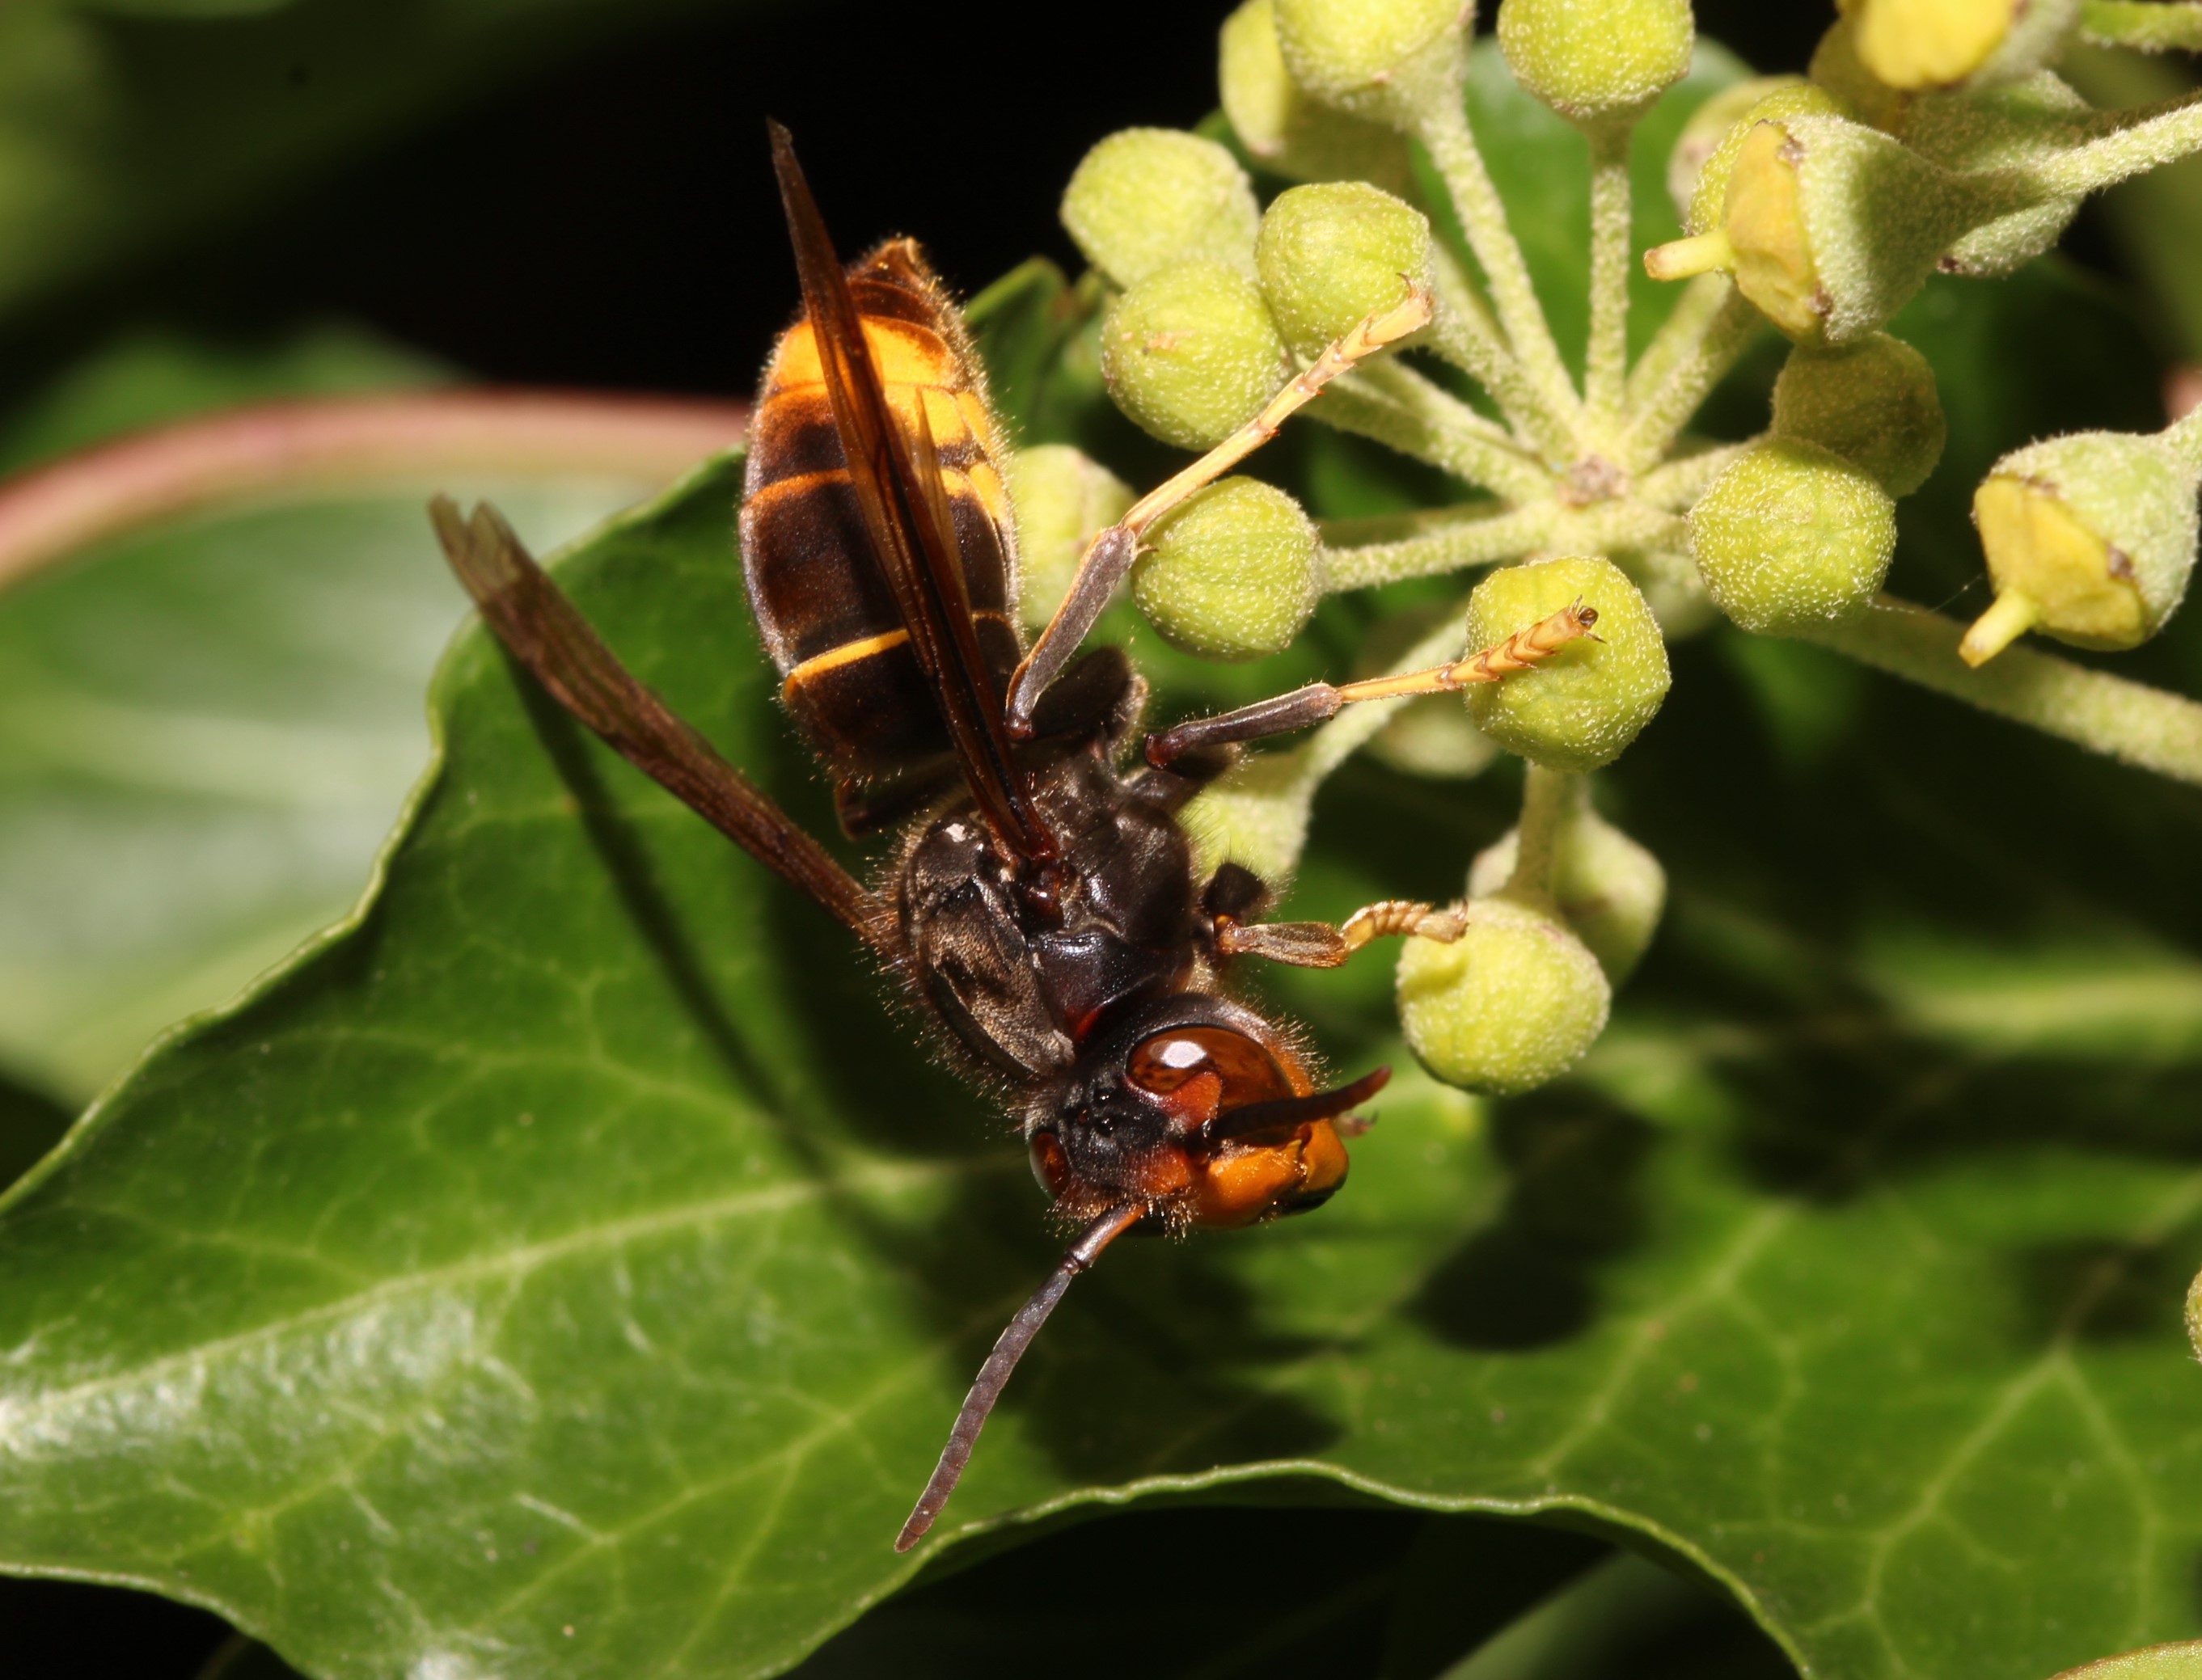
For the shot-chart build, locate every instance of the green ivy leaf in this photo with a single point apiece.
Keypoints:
(571, 1241)
(207, 728)
(205, 733)
(2159, 1662)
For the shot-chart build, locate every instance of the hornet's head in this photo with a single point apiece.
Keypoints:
(1197, 1109)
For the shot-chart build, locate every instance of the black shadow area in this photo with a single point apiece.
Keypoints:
(57, 1629)
(1528, 1279)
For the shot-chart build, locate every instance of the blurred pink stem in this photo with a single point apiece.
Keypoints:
(416, 436)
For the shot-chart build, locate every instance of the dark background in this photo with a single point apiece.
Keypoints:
(613, 224)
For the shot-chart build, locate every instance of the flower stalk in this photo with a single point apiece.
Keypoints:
(1606, 371)
(2145, 26)
(1700, 361)
(1466, 334)
(2126, 720)
(1485, 536)
(1549, 798)
(1393, 404)
(2137, 141)
(1441, 125)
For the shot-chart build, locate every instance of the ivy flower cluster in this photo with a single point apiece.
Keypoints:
(1929, 136)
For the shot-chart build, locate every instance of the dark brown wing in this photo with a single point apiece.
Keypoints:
(897, 481)
(545, 632)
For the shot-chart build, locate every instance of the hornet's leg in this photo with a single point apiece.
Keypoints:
(1319, 701)
(1109, 555)
(1320, 945)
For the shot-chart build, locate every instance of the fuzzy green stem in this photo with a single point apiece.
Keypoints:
(1606, 360)
(1668, 575)
(1358, 530)
(1678, 336)
(2128, 721)
(1441, 125)
(1466, 334)
(1485, 537)
(2145, 26)
(2184, 440)
(1676, 487)
(1658, 420)
(1549, 798)
(2156, 219)
(1398, 408)
(2138, 140)
(1629, 522)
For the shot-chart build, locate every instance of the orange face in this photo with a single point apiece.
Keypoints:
(1200, 1073)
(1244, 1183)
(1191, 1076)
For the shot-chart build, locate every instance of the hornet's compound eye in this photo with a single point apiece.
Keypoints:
(1051, 1165)
(1197, 1072)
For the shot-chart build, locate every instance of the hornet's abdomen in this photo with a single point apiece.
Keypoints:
(820, 597)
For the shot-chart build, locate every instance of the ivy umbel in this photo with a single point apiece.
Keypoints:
(1931, 135)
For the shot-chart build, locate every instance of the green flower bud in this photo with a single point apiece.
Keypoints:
(1609, 889)
(1591, 62)
(1513, 1002)
(2090, 538)
(1430, 736)
(1791, 535)
(1578, 709)
(1192, 354)
(1063, 499)
(1329, 256)
(1829, 226)
(2012, 127)
(1873, 403)
(1283, 128)
(1916, 44)
(1233, 574)
(1708, 204)
(1375, 58)
(1146, 198)
(1255, 815)
(1709, 124)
